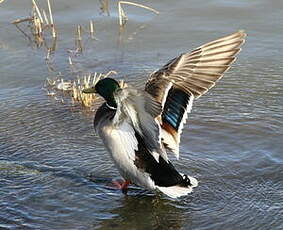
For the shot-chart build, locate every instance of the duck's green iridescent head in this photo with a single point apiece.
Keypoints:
(105, 88)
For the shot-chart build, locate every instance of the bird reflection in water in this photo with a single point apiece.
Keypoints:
(144, 211)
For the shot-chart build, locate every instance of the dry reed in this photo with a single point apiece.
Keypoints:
(79, 39)
(60, 88)
(123, 17)
(105, 6)
(41, 21)
(91, 29)
(38, 23)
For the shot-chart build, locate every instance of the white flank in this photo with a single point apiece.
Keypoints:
(121, 143)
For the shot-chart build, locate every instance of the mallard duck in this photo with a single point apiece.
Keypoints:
(139, 127)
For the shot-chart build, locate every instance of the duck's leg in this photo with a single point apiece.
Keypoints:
(123, 186)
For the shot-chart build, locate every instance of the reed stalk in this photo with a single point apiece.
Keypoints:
(105, 6)
(91, 29)
(123, 17)
(78, 41)
(54, 34)
(45, 17)
(37, 11)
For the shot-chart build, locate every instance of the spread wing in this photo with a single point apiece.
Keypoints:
(188, 77)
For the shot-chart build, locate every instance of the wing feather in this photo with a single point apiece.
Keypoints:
(189, 76)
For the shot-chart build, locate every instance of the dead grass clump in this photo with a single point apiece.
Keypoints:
(71, 91)
(40, 29)
(78, 97)
(38, 23)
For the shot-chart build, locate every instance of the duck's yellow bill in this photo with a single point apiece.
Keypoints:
(89, 90)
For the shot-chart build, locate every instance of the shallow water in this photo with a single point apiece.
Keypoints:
(55, 173)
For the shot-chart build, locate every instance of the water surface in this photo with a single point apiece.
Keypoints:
(55, 172)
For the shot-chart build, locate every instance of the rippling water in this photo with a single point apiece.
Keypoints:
(55, 173)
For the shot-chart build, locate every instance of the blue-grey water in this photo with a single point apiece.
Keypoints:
(55, 172)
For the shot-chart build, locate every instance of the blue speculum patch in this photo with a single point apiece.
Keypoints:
(175, 107)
